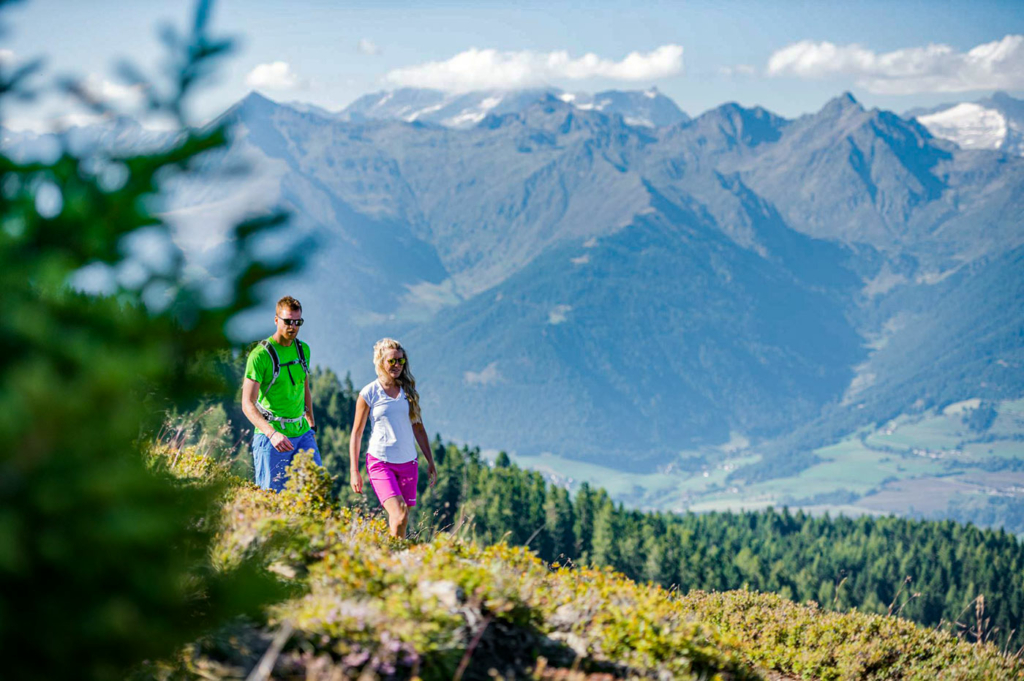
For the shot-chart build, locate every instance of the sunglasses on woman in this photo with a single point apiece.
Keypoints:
(400, 361)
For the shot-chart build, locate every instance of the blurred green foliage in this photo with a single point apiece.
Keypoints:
(103, 562)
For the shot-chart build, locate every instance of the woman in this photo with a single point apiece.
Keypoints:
(393, 404)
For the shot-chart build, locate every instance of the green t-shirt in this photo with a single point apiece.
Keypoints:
(287, 397)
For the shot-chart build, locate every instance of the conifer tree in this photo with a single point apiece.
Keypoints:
(560, 523)
(584, 522)
(606, 549)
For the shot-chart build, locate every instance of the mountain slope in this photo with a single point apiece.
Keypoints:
(662, 337)
(848, 174)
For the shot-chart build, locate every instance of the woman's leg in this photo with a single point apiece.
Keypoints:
(398, 516)
(405, 523)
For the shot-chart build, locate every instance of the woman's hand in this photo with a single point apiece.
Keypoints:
(357, 481)
(432, 474)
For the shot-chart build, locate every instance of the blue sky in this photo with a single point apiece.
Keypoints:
(790, 57)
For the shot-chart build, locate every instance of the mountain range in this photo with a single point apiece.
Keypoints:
(648, 108)
(607, 279)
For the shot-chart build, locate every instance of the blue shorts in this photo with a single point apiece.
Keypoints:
(272, 465)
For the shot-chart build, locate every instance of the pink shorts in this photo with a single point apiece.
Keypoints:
(393, 479)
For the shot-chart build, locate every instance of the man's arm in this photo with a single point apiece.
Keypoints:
(250, 392)
(309, 405)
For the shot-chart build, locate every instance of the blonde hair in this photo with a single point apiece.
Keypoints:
(405, 379)
(287, 303)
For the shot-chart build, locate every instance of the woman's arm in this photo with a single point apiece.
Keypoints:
(424, 442)
(358, 424)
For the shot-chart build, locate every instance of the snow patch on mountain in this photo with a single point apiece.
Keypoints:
(422, 112)
(971, 126)
(472, 116)
(996, 122)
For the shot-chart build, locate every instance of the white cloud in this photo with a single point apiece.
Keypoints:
(559, 314)
(47, 123)
(487, 376)
(76, 120)
(276, 75)
(933, 68)
(107, 91)
(367, 46)
(6, 56)
(489, 69)
(581, 260)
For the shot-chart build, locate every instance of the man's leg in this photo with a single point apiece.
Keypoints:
(261, 449)
(308, 441)
(279, 462)
(398, 516)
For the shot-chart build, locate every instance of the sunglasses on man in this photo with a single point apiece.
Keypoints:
(400, 361)
(291, 322)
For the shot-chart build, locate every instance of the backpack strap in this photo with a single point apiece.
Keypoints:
(269, 415)
(302, 357)
(274, 358)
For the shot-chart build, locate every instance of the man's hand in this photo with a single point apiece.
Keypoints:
(357, 481)
(280, 442)
(432, 474)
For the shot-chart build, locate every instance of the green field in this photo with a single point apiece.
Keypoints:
(669, 490)
(915, 463)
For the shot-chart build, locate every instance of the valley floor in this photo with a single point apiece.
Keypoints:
(931, 465)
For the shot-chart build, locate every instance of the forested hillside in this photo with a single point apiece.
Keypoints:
(930, 572)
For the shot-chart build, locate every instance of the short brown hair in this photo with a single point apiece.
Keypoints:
(288, 302)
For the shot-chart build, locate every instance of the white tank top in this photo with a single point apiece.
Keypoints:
(391, 438)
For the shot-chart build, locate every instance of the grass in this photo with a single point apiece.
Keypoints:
(848, 466)
(1003, 449)
(812, 643)
(439, 607)
(939, 432)
(851, 465)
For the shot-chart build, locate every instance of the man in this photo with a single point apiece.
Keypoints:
(277, 399)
